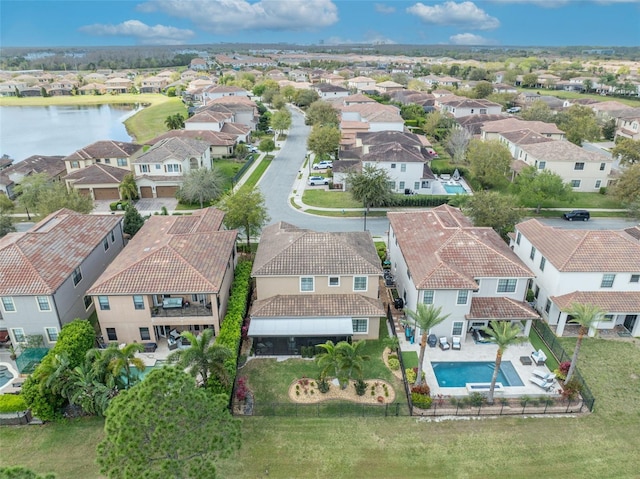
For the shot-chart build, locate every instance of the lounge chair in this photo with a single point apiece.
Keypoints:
(539, 357)
(543, 383)
(543, 375)
(455, 342)
(444, 344)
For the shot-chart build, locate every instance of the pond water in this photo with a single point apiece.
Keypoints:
(60, 130)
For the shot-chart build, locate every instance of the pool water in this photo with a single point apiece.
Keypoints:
(458, 374)
(5, 375)
(454, 189)
(143, 374)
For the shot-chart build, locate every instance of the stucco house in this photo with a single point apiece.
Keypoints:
(47, 270)
(220, 144)
(311, 287)
(118, 154)
(52, 166)
(174, 275)
(361, 83)
(461, 106)
(438, 257)
(100, 182)
(328, 90)
(599, 267)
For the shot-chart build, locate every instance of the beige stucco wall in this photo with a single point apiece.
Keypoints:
(374, 328)
(267, 287)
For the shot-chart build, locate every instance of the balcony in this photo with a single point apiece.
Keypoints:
(186, 310)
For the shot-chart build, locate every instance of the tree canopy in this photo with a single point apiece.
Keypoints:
(281, 120)
(174, 122)
(321, 113)
(370, 187)
(579, 124)
(490, 162)
(128, 187)
(166, 427)
(201, 185)
(627, 189)
(627, 150)
(492, 209)
(132, 221)
(324, 140)
(42, 196)
(534, 187)
(245, 210)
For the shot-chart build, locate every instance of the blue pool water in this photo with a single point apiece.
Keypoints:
(143, 374)
(454, 189)
(457, 375)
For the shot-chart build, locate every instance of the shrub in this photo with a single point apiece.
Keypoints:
(323, 385)
(476, 399)
(361, 387)
(394, 364)
(411, 375)
(421, 389)
(421, 401)
(241, 389)
(524, 400)
(12, 403)
(563, 370)
(571, 389)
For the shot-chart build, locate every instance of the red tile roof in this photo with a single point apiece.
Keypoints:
(317, 305)
(500, 308)
(608, 301)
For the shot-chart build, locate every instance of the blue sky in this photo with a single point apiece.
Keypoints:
(49, 23)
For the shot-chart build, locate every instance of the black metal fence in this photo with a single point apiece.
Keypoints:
(244, 168)
(502, 407)
(551, 341)
(321, 409)
(407, 389)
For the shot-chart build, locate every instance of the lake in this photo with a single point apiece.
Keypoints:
(60, 130)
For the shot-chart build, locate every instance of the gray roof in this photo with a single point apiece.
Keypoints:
(560, 150)
(105, 149)
(173, 148)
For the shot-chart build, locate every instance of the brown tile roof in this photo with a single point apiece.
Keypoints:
(572, 250)
(286, 250)
(214, 138)
(172, 254)
(105, 149)
(525, 137)
(208, 116)
(394, 153)
(388, 136)
(500, 308)
(317, 305)
(38, 261)
(98, 174)
(511, 124)
(560, 150)
(178, 148)
(51, 165)
(474, 123)
(608, 301)
(444, 251)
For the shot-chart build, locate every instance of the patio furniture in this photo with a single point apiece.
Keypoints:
(173, 344)
(543, 375)
(539, 357)
(525, 360)
(171, 303)
(432, 340)
(444, 344)
(456, 342)
(150, 347)
(445, 177)
(544, 384)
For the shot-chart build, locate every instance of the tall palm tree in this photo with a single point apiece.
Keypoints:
(351, 357)
(204, 357)
(424, 317)
(504, 334)
(586, 315)
(329, 361)
(122, 358)
(128, 187)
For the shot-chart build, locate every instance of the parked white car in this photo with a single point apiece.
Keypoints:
(323, 165)
(318, 180)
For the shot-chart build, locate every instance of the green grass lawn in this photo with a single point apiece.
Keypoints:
(149, 123)
(410, 359)
(329, 199)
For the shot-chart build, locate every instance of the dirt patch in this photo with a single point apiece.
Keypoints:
(306, 391)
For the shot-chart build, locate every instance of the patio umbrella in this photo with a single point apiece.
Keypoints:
(456, 174)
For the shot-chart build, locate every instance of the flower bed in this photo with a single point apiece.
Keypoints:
(306, 391)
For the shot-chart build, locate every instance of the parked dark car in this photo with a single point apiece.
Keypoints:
(577, 215)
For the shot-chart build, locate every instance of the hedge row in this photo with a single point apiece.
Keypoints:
(449, 170)
(12, 403)
(419, 200)
(231, 328)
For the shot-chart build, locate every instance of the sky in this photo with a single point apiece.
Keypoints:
(49, 23)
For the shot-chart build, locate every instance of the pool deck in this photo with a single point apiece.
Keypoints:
(470, 351)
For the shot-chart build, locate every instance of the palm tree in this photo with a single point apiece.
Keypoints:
(329, 361)
(504, 334)
(174, 122)
(425, 317)
(54, 373)
(351, 357)
(586, 315)
(122, 358)
(204, 357)
(128, 187)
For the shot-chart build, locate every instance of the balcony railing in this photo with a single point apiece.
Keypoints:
(185, 311)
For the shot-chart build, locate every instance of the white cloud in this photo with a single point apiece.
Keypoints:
(370, 38)
(465, 14)
(562, 3)
(148, 35)
(386, 9)
(230, 16)
(470, 39)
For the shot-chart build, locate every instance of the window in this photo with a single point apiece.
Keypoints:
(8, 305)
(607, 318)
(635, 278)
(306, 284)
(138, 302)
(547, 307)
(43, 303)
(144, 168)
(477, 280)
(158, 167)
(144, 334)
(87, 302)
(518, 237)
(575, 183)
(52, 334)
(427, 296)
(105, 243)
(416, 185)
(360, 325)
(113, 236)
(359, 283)
(602, 166)
(122, 162)
(507, 285)
(107, 161)
(598, 183)
(579, 165)
(403, 167)
(607, 280)
(457, 328)
(77, 276)
(392, 185)
(172, 168)
(393, 165)
(463, 296)
(542, 165)
(111, 334)
(543, 262)
(18, 334)
(483, 111)
(533, 252)
(334, 280)
(75, 164)
(103, 301)
(401, 185)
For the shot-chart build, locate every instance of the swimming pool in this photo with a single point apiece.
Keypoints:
(5, 375)
(454, 189)
(458, 374)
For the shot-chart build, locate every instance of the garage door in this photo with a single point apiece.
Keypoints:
(146, 192)
(166, 191)
(84, 191)
(106, 193)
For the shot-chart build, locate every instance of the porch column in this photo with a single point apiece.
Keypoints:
(562, 321)
(527, 327)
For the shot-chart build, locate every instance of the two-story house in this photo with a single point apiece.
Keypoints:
(438, 257)
(52, 166)
(599, 267)
(174, 275)
(311, 287)
(461, 106)
(159, 170)
(47, 270)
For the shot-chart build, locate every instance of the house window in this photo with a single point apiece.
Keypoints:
(542, 165)
(518, 237)
(360, 325)
(144, 168)
(43, 303)
(107, 161)
(306, 284)
(533, 252)
(75, 164)
(401, 185)
(77, 276)
(172, 168)
(457, 328)
(463, 296)
(158, 167)
(18, 334)
(579, 166)
(635, 278)
(393, 165)
(113, 236)
(416, 185)
(607, 318)
(543, 262)
(122, 162)
(103, 301)
(105, 243)
(602, 166)
(607, 280)
(359, 283)
(427, 296)
(111, 334)
(403, 167)
(547, 307)
(598, 183)
(144, 334)
(483, 111)
(334, 280)
(477, 280)
(392, 185)
(507, 285)
(8, 304)
(138, 302)
(575, 183)
(52, 334)
(87, 302)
